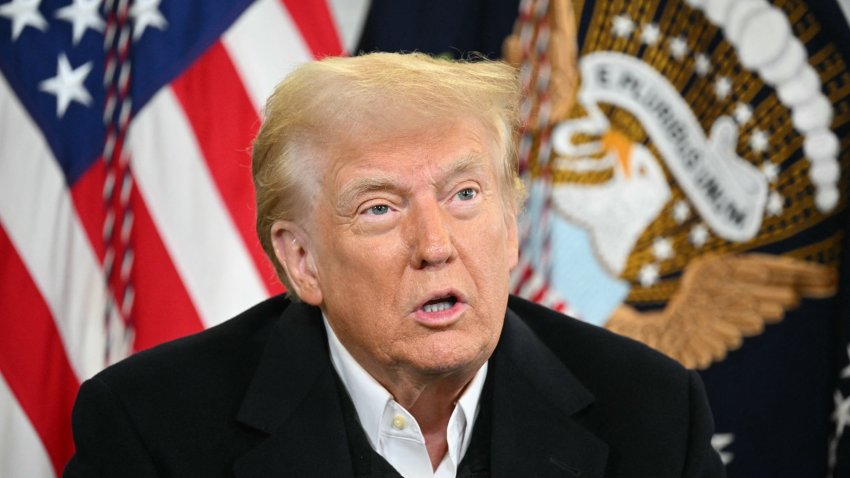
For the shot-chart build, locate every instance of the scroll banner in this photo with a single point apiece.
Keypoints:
(728, 191)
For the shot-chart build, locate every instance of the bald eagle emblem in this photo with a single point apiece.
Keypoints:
(678, 169)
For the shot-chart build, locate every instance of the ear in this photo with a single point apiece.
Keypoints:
(292, 248)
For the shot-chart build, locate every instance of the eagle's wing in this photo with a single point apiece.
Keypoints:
(527, 47)
(722, 299)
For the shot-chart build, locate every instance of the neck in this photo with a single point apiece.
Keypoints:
(432, 405)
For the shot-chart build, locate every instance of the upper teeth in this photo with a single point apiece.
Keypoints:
(438, 307)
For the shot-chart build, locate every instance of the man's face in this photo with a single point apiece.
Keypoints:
(412, 242)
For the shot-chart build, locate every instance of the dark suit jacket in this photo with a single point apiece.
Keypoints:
(257, 397)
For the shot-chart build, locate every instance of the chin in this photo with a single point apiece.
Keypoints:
(441, 360)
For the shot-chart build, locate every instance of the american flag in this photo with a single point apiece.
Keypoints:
(126, 206)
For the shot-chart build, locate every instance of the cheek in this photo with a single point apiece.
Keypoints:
(491, 251)
(362, 269)
(379, 257)
(497, 236)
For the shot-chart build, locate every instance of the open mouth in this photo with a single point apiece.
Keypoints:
(440, 304)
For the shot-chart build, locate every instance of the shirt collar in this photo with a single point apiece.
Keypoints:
(370, 398)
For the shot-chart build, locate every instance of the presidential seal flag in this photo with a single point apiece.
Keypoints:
(126, 205)
(688, 174)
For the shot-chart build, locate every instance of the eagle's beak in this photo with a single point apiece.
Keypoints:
(615, 142)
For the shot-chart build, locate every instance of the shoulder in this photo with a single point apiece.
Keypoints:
(215, 361)
(175, 404)
(588, 350)
(637, 392)
(627, 379)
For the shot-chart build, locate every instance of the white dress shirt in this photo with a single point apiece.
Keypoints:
(392, 431)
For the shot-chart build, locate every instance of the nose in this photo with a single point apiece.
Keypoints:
(429, 235)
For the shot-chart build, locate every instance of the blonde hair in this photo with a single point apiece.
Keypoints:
(339, 99)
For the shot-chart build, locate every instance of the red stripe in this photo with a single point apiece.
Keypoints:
(225, 122)
(32, 357)
(559, 306)
(314, 21)
(540, 294)
(162, 309)
(87, 194)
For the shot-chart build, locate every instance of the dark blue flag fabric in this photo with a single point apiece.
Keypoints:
(687, 167)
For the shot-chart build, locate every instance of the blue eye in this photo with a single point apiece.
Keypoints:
(466, 194)
(379, 209)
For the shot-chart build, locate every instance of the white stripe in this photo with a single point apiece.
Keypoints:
(21, 451)
(264, 45)
(191, 217)
(36, 211)
(533, 286)
(349, 17)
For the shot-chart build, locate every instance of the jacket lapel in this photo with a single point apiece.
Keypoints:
(534, 400)
(293, 400)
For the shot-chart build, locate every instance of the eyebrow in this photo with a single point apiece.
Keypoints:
(362, 186)
(466, 163)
